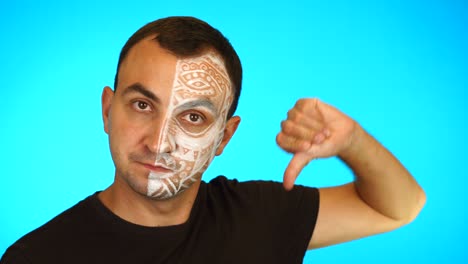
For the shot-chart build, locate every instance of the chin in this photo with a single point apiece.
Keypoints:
(165, 197)
(165, 189)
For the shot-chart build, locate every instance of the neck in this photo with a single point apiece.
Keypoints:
(140, 209)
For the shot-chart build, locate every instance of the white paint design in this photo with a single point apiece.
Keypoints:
(201, 84)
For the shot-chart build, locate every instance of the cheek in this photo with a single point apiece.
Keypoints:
(203, 144)
(124, 133)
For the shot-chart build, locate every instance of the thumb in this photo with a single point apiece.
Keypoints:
(295, 166)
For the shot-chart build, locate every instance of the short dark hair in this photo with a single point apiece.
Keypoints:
(187, 37)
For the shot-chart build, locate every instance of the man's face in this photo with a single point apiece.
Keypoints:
(167, 118)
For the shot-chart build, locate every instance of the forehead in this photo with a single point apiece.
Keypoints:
(160, 71)
(204, 75)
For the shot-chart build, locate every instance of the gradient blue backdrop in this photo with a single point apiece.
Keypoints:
(398, 67)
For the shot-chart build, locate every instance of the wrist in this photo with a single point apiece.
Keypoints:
(355, 144)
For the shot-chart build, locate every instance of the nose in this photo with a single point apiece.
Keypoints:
(160, 138)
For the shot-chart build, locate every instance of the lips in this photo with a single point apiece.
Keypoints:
(158, 168)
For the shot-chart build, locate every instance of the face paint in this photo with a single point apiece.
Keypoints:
(194, 124)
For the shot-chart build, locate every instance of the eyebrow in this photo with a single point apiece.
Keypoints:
(199, 103)
(140, 88)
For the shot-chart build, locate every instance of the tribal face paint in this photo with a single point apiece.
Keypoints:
(193, 127)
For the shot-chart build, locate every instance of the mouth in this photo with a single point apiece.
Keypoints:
(157, 168)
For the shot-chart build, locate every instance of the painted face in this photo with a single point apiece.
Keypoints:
(193, 126)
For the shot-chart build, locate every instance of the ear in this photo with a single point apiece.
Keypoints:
(231, 127)
(106, 102)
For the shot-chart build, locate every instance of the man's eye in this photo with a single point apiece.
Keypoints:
(141, 106)
(193, 118)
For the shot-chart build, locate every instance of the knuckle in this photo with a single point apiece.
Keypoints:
(285, 142)
(281, 139)
(278, 138)
(305, 104)
(288, 127)
(294, 115)
(301, 103)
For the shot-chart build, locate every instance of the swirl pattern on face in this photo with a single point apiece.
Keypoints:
(193, 128)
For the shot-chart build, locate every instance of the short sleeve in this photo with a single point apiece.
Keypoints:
(273, 220)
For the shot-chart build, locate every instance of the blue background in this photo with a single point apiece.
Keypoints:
(398, 67)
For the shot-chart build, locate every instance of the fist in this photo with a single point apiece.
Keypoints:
(313, 130)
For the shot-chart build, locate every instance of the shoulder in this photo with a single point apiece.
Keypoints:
(268, 194)
(259, 187)
(58, 231)
(76, 215)
(265, 213)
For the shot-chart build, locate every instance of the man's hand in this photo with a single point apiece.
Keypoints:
(383, 195)
(313, 130)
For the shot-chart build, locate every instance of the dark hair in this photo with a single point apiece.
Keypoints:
(186, 37)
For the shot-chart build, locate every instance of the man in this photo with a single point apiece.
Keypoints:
(176, 89)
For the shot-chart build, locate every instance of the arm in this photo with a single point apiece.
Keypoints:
(383, 196)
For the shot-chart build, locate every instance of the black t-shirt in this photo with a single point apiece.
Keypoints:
(230, 222)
